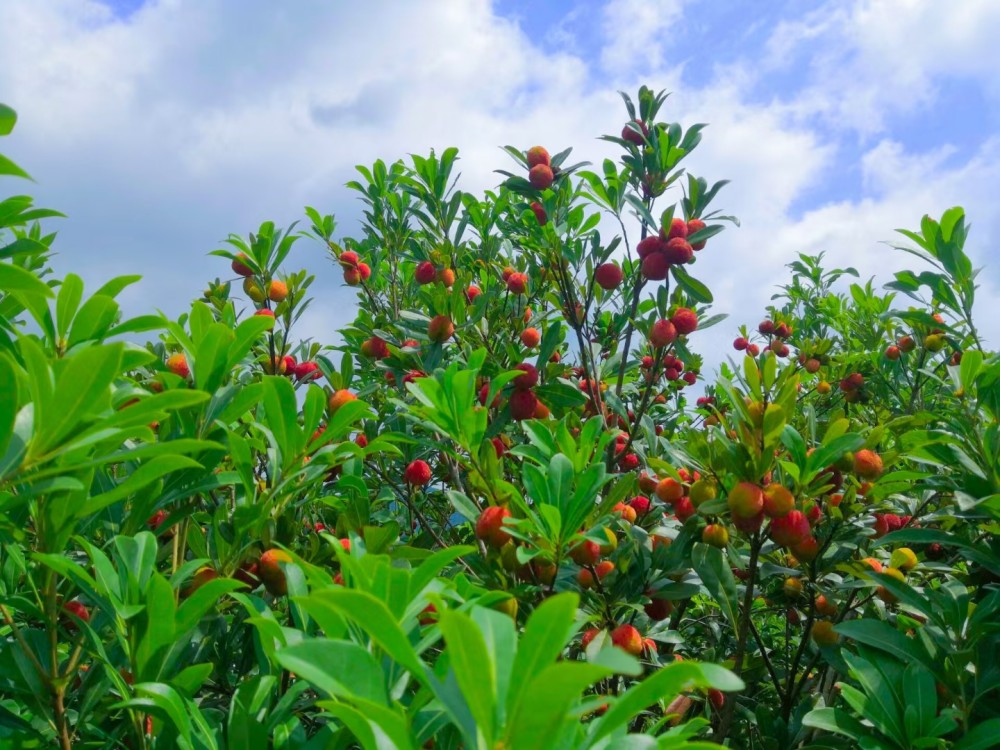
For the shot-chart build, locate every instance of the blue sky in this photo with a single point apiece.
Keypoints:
(160, 127)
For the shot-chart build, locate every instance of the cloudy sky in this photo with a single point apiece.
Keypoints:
(161, 126)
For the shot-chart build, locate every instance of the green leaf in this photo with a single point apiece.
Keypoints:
(9, 402)
(983, 736)
(7, 167)
(8, 118)
(23, 284)
(664, 683)
(145, 475)
(85, 379)
(837, 721)
(715, 573)
(339, 668)
(374, 618)
(473, 668)
(884, 637)
(547, 701)
(545, 635)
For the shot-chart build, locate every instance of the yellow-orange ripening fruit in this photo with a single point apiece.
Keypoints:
(702, 491)
(823, 633)
(746, 500)
(628, 639)
(339, 398)
(490, 528)
(903, 558)
(541, 176)
(792, 587)
(538, 155)
(883, 593)
(440, 329)
(203, 575)
(778, 501)
(277, 291)
(612, 544)
(586, 552)
(716, 535)
(823, 388)
(253, 290)
(447, 277)
(934, 342)
(178, 365)
(270, 572)
(825, 607)
(669, 490)
(508, 606)
(867, 464)
(530, 337)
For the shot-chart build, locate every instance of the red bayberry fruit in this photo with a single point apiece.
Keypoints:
(663, 333)
(417, 473)
(540, 176)
(685, 321)
(489, 527)
(270, 572)
(440, 329)
(539, 211)
(867, 464)
(530, 377)
(608, 276)
(530, 337)
(635, 132)
(628, 639)
(790, 529)
(523, 404)
(678, 251)
(425, 273)
(538, 155)
(746, 500)
(655, 267)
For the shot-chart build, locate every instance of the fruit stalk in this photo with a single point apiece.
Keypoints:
(743, 630)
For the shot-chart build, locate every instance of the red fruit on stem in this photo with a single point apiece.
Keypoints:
(655, 267)
(867, 464)
(417, 473)
(790, 529)
(685, 321)
(662, 333)
(651, 245)
(530, 377)
(440, 329)
(696, 225)
(635, 132)
(531, 337)
(608, 276)
(523, 404)
(270, 572)
(489, 527)
(628, 639)
(540, 176)
(539, 211)
(746, 500)
(425, 273)
(678, 251)
(538, 155)
(517, 283)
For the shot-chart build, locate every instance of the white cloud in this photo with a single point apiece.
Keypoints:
(162, 134)
(870, 58)
(637, 31)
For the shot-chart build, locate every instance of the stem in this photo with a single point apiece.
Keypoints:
(743, 630)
